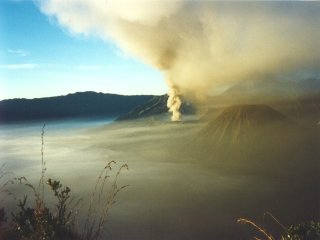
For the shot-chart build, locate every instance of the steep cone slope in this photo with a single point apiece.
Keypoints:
(242, 136)
(256, 142)
(242, 122)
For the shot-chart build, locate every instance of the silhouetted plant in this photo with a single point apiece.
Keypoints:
(101, 202)
(40, 222)
(260, 229)
(62, 194)
(3, 217)
(303, 231)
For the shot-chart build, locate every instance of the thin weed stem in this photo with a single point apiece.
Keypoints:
(276, 220)
(101, 201)
(259, 228)
(93, 194)
(43, 164)
(112, 195)
(41, 222)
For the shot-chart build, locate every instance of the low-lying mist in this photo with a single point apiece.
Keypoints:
(187, 180)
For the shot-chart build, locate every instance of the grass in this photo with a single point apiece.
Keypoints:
(37, 220)
(302, 231)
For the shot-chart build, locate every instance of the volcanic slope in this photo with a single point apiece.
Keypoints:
(243, 135)
(155, 107)
(240, 123)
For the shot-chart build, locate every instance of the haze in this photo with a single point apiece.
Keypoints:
(251, 71)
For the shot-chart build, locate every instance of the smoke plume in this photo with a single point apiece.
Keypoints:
(203, 46)
(174, 103)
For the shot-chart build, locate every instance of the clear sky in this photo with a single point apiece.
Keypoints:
(38, 58)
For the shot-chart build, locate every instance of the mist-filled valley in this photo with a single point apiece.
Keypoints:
(187, 180)
(151, 119)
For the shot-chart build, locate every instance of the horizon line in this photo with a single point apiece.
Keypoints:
(78, 92)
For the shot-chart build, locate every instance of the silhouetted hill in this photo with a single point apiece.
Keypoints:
(248, 132)
(248, 125)
(244, 134)
(155, 106)
(299, 100)
(238, 122)
(77, 105)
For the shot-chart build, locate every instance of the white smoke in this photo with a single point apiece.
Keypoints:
(174, 103)
(202, 46)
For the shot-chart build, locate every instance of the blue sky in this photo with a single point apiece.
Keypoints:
(38, 58)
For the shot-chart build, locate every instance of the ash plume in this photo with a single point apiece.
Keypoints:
(174, 103)
(203, 46)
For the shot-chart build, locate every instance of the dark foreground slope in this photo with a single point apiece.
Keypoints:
(78, 105)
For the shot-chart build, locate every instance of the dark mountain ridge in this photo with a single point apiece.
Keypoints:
(77, 105)
(156, 106)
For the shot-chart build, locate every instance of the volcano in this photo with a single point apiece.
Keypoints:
(155, 107)
(240, 123)
(243, 135)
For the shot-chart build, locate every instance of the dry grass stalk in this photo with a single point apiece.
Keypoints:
(259, 228)
(39, 222)
(276, 220)
(101, 201)
(43, 164)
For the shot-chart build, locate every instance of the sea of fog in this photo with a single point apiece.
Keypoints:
(21, 143)
(169, 196)
(21, 128)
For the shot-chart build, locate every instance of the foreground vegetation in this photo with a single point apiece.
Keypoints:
(36, 219)
(303, 231)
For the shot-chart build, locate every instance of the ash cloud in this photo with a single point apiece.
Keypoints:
(203, 46)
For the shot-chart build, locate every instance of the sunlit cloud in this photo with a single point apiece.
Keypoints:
(18, 52)
(18, 66)
(118, 66)
(88, 67)
(100, 67)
